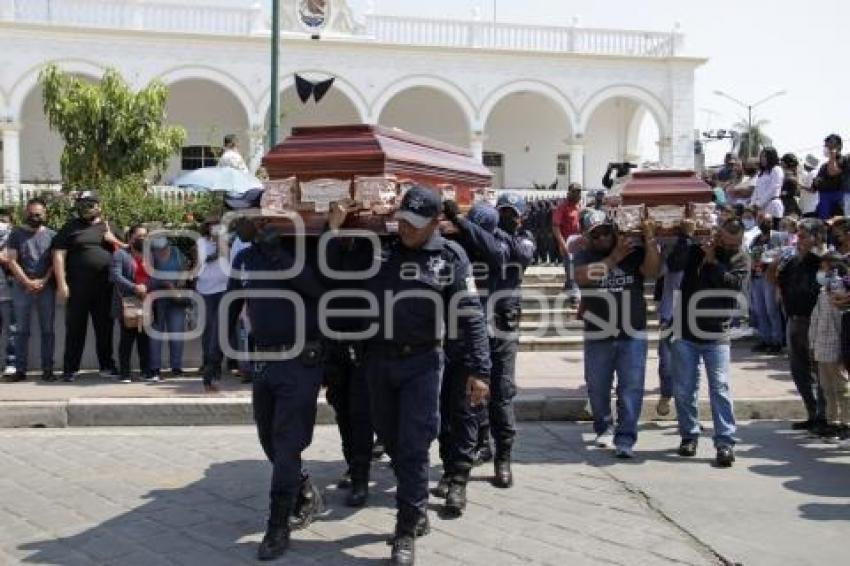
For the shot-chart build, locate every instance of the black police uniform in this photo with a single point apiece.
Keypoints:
(285, 393)
(404, 361)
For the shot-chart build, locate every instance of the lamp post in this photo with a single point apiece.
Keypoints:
(750, 108)
(274, 112)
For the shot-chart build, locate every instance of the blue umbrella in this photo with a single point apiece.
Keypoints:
(220, 180)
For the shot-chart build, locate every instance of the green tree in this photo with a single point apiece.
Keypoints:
(111, 133)
(751, 139)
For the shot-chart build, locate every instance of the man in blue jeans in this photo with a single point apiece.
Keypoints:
(611, 271)
(715, 275)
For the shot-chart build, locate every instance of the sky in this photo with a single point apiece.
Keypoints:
(755, 48)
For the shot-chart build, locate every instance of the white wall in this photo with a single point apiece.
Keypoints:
(530, 131)
(427, 112)
(606, 138)
(208, 112)
(41, 148)
(334, 109)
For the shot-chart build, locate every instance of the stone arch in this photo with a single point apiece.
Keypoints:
(29, 80)
(538, 87)
(448, 88)
(341, 85)
(635, 93)
(216, 76)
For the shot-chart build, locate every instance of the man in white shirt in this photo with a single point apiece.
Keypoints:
(231, 156)
(211, 285)
(808, 197)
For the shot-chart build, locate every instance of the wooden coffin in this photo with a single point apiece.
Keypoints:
(358, 157)
(656, 188)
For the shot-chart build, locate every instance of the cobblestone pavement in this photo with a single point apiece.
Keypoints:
(197, 496)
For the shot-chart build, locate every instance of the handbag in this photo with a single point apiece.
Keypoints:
(132, 313)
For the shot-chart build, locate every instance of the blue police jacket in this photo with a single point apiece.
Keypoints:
(424, 296)
(274, 320)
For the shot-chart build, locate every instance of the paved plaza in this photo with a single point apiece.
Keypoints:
(156, 496)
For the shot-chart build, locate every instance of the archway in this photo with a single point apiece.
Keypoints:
(208, 111)
(531, 133)
(429, 112)
(335, 109)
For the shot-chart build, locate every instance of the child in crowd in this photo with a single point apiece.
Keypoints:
(825, 342)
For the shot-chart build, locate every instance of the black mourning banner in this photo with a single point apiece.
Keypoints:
(306, 88)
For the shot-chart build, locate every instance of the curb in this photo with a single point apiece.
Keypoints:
(204, 411)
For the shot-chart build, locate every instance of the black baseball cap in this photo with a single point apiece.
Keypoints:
(419, 206)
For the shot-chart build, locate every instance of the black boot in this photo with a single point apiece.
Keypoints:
(359, 492)
(504, 478)
(483, 451)
(308, 504)
(404, 551)
(456, 498)
(276, 540)
(442, 489)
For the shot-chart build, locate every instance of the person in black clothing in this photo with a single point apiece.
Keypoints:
(82, 257)
(797, 280)
(791, 185)
(833, 180)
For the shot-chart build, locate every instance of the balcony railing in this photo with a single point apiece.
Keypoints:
(222, 17)
(517, 37)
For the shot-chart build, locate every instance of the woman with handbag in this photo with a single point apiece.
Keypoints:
(131, 282)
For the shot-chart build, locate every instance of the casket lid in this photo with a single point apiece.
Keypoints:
(660, 187)
(371, 150)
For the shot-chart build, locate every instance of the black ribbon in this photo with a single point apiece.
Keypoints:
(306, 88)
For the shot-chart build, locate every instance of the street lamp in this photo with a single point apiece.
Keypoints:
(750, 108)
(274, 111)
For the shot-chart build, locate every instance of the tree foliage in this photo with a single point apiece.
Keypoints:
(751, 140)
(111, 133)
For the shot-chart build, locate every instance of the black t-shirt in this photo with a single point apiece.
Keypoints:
(622, 289)
(87, 254)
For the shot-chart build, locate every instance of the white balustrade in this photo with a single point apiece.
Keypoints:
(13, 195)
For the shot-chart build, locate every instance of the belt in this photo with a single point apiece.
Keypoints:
(396, 350)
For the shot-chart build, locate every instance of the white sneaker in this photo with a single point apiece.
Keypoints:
(155, 378)
(10, 370)
(663, 406)
(605, 440)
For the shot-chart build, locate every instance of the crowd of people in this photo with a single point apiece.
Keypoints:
(393, 369)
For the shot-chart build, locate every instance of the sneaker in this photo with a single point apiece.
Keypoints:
(10, 370)
(125, 379)
(605, 440)
(624, 453)
(110, 373)
(48, 376)
(688, 448)
(69, 377)
(152, 378)
(663, 406)
(177, 373)
(830, 434)
(725, 456)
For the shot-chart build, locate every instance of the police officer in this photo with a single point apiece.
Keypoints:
(504, 343)
(419, 275)
(459, 421)
(285, 391)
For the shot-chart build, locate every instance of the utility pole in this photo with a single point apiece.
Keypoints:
(274, 112)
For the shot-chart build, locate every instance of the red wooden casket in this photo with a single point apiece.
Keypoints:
(348, 152)
(655, 188)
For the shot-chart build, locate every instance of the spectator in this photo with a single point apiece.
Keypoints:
(231, 156)
(611, 273)
(766, 196)
(796, 277)
(751, 226)
(7, 314)
(833, 179)
(824, 340)
(719, 265)
(170, 312)
(566, 224)
(790, 185)
(131, 278)
(729, 171)
(598, 200)
(211, 285)
(82, 257)
(30, 263)
(741, 192)
(809, 196)
(763, 294)
(238, 326)
(718, 196)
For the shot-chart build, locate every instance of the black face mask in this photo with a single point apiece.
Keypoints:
(509, 225)
(138, 245)
(35, 221)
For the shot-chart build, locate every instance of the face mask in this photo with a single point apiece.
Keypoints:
(138, 245)
(509, 225)
(749, 223)
(823, 278)
(35, 221)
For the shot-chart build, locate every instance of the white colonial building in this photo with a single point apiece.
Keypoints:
(536, 103)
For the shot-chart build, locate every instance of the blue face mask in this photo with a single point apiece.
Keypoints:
(749, 223)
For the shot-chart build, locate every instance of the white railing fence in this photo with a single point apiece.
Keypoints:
(13, 195)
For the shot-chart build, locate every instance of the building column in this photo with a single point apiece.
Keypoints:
(576, 150)
(476, 146)
(11, 153)
(256, 147)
